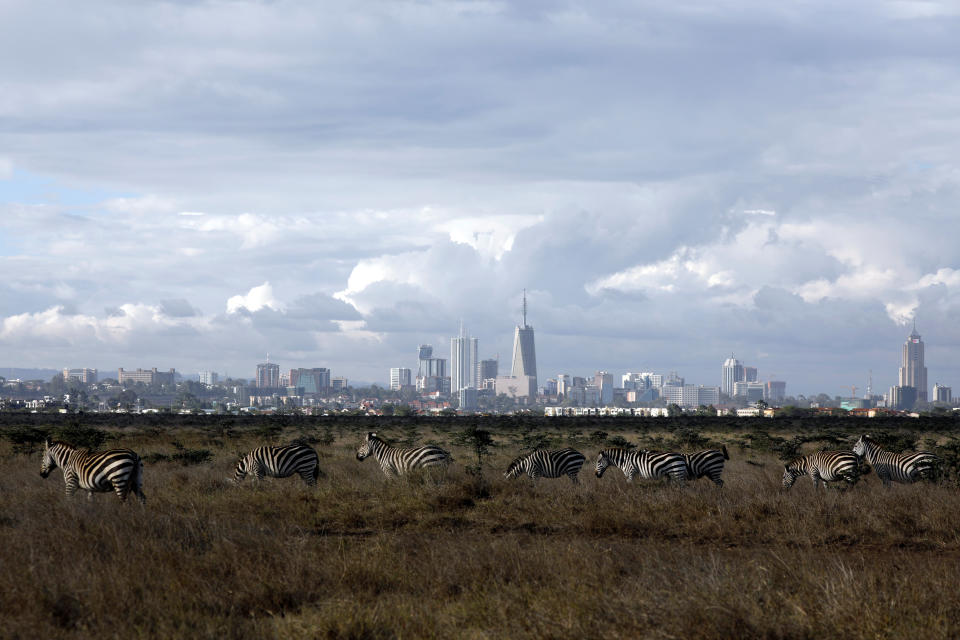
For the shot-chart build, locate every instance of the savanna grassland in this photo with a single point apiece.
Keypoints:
(469, 556)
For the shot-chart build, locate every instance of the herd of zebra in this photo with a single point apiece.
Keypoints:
(121, 470)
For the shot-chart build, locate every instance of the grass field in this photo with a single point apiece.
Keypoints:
(362, 557)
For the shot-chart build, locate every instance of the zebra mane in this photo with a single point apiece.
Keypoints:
(519, 459)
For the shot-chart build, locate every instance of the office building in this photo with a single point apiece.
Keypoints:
(942, 393)
(913, 372)
(315, 380)
(750, 374)
(903, 398)
(524, 351)
(463, 362)
(752, 391)
(520, 387)
(775, 391)
(147, 376)
(564, 383)
(489, 369)
(268, 375)
(732, 373)
(399, 377)
(338, 384)
(467, 399)
(604, 382)
(208, 378)
(86, 376)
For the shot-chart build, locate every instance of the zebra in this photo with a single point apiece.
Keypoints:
(896, 467)
(118, 469)
(397, 461)
(646, 464)
(548, 464)
(706, 463)
(280, 462)
(828, 466)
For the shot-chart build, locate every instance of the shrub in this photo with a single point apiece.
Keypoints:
(188, 457)
(80, 436)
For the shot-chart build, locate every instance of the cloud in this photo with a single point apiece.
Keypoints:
(256, 299)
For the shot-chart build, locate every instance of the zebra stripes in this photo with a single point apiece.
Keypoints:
(707, 463)
(896, 467)
(120, 470)
(548, 464)
(396, 461)
(280, 462)
(646, 464)
(828, 466)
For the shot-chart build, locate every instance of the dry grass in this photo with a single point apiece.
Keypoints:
(361, 557)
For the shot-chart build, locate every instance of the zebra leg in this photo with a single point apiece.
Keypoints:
(121, 489)
(573, 478)
(308, 478)
(89, 495)
(717, 480)
(815, 476)
(70, 482)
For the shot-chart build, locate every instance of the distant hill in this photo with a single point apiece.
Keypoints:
(13, 373)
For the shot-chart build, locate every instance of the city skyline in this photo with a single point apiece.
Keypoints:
(335, 185)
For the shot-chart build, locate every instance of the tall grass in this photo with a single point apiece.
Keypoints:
(363, 557)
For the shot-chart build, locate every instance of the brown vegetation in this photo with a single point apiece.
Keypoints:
(363, 557)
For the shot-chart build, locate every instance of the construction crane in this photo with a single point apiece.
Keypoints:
(853, 392)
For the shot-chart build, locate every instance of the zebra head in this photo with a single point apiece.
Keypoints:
(860, 448)
(515, 468)
(791, 472)
(602, 463)
(49, 462)
(367, 447)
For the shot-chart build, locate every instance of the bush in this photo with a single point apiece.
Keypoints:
(25, 440)
(621, 442)
(82, 437)
(188, 457)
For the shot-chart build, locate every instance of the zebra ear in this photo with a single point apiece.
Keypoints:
(372, 434)
(46, 442)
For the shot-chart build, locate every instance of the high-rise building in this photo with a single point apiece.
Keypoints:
(913, 372)
(338, 383)
(489, 369)
(315, 380)
(524, 352)
(268, 375)
(399, 377)
(86, 376)
(750, 374)
(752, 391)
(564, 384)
(942, 393)
(902, 397)
(463, 362)
(431, 372)
(732, 373)
(604, 382)
(775, 391)
(208, 377)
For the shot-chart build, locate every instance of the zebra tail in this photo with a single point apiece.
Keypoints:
(726, 456)
(317, 473)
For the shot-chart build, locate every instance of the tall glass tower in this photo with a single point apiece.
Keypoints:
(733, 372)
(913, 373)
(524, 352)
(463, 362)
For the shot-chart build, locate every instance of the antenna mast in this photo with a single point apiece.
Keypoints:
(524, 308)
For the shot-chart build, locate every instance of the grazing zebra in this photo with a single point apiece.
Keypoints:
(120, 470)
(898, 467)
(707, 463)
(548, 464)
(646, 464)
(396, 461)
(828, 466)
(280, 462)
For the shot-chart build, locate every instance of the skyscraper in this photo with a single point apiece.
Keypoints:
(524, 353)
(463, 362)
(399, 377)
(268, 375)
(913, 373)
(732, 373)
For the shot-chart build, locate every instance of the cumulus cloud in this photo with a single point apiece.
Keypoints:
(256, 299)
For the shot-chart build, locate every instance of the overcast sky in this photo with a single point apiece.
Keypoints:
(198, 184)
